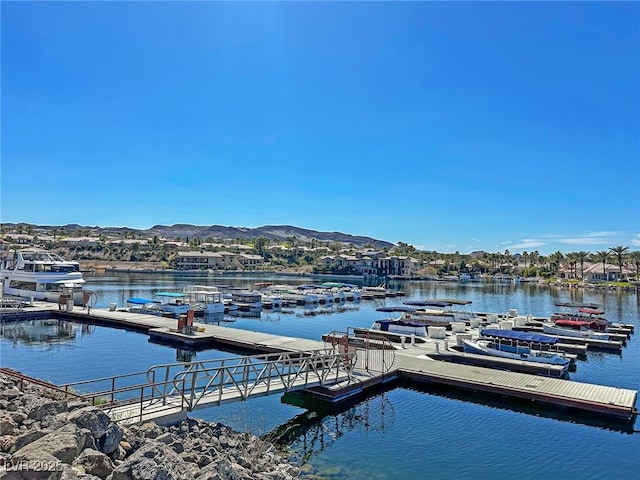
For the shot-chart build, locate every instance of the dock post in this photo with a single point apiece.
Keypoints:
(413, 340)
(437, 347)
(402, 340)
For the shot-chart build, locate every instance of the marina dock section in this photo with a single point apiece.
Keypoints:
(431, 362)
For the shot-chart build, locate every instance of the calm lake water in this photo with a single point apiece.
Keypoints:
(395, 434)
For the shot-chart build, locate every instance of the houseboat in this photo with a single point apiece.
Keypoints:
(41, 275)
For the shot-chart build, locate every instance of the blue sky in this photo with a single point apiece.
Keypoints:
(452, 126)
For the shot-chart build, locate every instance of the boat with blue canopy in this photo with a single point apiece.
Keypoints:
(529, 343)
(144, 305)
(174, 303)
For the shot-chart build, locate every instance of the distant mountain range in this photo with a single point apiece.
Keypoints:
(273, 232)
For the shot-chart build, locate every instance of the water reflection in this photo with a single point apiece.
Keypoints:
(310, 433)
(48, 331)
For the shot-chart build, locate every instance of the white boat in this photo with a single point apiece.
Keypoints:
(246, 299)
(41, 275)
(552, 329)
(205, 302)
(350, 291)
(322, 294)
(291, 296)
(271, 300)
(440, 311)
(400, 327)
(144, 305)
(174, 303)
(487, 347)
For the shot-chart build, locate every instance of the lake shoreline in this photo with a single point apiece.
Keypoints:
(44, 430)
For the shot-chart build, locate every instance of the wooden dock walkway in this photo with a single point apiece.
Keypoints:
(413, 362)
(553, 391)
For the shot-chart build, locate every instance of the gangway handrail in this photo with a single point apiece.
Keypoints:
(165, 371)
(162, 388)
(243, 377)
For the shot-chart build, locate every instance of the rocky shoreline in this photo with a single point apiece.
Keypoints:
(45, 436)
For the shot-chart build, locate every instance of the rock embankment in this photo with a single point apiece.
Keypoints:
(44, 436)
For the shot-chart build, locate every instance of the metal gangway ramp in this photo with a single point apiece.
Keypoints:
(165, 393)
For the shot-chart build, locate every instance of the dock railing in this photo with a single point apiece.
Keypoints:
(190, 385)
(369, 351)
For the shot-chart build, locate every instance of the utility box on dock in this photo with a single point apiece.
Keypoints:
(182, 322)
(437, 332)
(70, 305)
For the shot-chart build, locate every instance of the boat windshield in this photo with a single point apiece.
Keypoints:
(41, 256)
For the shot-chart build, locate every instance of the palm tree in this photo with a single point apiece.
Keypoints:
(572, 259)
(582, 257)
(554, 261)
(619, 252)
(634, 257)
(603, 256)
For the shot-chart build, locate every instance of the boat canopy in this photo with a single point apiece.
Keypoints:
(578, 305)
(139, 301)
(337, 285)
(453, 301)
(517, 335)
(591, 311)
(384, 324)
(567, 322)
(171, 294)
(428, 303)
(398, 308)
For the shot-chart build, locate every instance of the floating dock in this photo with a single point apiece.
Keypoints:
(414, 362)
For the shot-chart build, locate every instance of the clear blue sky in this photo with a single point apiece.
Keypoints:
(451, 126)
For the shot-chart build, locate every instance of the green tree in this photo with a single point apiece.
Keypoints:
(603, 256)
(634, 257)
(582, 257)
(619, 252)
(572, 259)
(260, 244)
(555, 259)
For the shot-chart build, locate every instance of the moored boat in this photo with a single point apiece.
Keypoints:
(41, 275)
(488, 347)
(400, 327)
(441, 310)
(174, 303)
(553, 329)
(144, 305)
(205, 302)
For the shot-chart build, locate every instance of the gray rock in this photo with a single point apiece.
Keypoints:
(29, 436)
(7, 426)
(43, 467)
(64, 444)
(11, 393)
(94, 463)
(148, 430)
(91, 418)
(45, 407)
(69, 474)
(154, 461)
(110, 439)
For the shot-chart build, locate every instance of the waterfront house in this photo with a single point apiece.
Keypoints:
(202, 260)
(611, 273)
